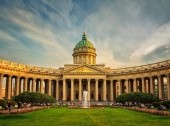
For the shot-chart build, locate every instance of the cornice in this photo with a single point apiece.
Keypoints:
(22, 68)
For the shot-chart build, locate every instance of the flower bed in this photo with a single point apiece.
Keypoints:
(23, 110)
(152, 111)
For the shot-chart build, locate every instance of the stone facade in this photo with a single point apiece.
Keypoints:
(68, 83)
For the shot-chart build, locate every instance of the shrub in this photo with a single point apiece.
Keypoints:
(137, 97)
(34, 98)
(166, 104)
(3, 103)
(156, 104)
(13, 102)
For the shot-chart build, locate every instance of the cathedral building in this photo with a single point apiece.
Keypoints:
(68, 83)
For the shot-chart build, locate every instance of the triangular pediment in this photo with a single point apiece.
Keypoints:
(84, 69)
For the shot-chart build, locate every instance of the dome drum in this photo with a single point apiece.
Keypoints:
(84, 52)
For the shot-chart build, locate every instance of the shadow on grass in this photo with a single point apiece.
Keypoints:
(7, 117)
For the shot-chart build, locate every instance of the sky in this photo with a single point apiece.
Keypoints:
(125, 33)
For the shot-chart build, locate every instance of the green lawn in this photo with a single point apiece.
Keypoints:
(84, 117)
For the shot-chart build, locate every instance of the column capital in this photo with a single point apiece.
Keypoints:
(119, 80)
(1, 74)
(88, 80)
(159, 75)
(18, 77)
(150, 77)
(25, 77)
(9, 75)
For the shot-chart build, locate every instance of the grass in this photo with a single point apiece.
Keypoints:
(84, 117)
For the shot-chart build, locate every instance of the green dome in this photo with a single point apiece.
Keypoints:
(84, 43)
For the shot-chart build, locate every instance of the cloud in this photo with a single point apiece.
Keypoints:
(127, 28)
(125, 33)
(159, 40)
(37, 33)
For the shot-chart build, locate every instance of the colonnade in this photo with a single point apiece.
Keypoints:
(73, 89)
(11, 85)
(159, 85)
(100, 89)
(85, 59)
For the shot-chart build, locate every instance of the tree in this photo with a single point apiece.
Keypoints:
(34, 98)
(3, 103)
(166, 103)
(137, 97)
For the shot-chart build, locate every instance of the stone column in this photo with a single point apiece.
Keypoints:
(49, 87)
(135, 85)
(57, 90)
(146, 84)
(33, 85)
(104, 90)
(17, 85)
(151, 84)
(80, 89)
(111, 90)
(143, 84)
(96, 90)
(28, 85)
(1, 85)
(20, 84)
(120, 87)
(41, 86)
(160, 86)
(168, 86)
(127, 86)
(9, 87)
(72, 89)
(25, 84)
(88, 87)
(64, 90)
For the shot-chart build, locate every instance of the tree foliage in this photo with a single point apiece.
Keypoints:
(137, 97)
(166, 104)
(3, 103)
(34, 98)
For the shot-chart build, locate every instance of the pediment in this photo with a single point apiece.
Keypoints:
(84, 69)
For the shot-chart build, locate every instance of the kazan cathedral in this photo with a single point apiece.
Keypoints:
(68, 83)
